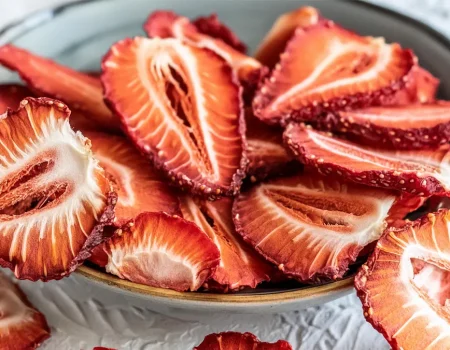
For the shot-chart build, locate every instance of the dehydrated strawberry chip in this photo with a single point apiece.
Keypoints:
(21, 325)
(164, 251)
(420, 173)
(54, 197)
(139, 186)
(405, 205)
(328, 68)
(274, 43)
(421, 88)
(413, 126)
(213, 27)
(167, 24)
(266, 153)
(181, 106)
(404, 286)
(311, 228)
(239, 265)
(11, 95)
(239, 341)
(80, 91)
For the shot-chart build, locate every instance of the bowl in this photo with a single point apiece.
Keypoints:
(79, 34)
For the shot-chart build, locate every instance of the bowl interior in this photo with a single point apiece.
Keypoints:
(79, 35)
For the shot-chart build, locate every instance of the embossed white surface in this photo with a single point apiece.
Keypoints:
(82, 316)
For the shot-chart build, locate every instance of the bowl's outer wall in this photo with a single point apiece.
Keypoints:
(80, 35)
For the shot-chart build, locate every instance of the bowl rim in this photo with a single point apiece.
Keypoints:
(22, 26)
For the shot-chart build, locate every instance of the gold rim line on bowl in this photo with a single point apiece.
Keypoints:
(278, 296)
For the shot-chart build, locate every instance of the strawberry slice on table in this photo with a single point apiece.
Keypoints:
(214, 28)
(167, 24)
(266, 152)
(21, 325)
(181, 106)
(274, 43)
(11, 95)
(163, 251)
(54, 197)
(239, 341)
(79, 90)
(422, 88)
(413, 126)
(404, 286)
(420, 172)
(239, 265)
(328, 68)
(311, 228)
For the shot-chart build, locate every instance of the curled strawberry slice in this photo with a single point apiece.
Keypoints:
(140, 188)
(274, 43)
(312, 229)
(181, 106)
(21, 325)
(80, 91)
(266, 153)
(404, 286)
(239, 341)
(414, 126)
(54, 197)
(163, 251)
(167, 24)
(239, 265)
(328, 68)
(421, 173)
(421, 88)
(213, 27)
(11, 95)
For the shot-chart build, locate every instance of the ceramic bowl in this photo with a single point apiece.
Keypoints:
(79, 34)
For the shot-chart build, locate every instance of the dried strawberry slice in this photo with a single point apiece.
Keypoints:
(80, 91)
(11, 95)
(404, 285)
(239, 265)
(421, 88)
(163, 251)
(54, 198)
(181, 106)
(274, 43)
(327, 68)
(21, 325)
(140, 187)
(311, 228)
(265, 150)
(421, 173)
(167, 24)
(213, 27)
(405, 205)
(239, 341)
(413, 126)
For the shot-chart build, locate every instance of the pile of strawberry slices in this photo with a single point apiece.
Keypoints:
(190, 165)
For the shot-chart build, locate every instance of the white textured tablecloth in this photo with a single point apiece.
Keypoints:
(82, 316)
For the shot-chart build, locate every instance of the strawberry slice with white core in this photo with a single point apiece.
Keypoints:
(163, 251)
(181, 106)
(413, 126)
(310, 228)
(139, 186)
(167, 24)
(213, 27)
(11, 95)
(274, 43)
(239, 341)
(21, 325)
(266, 152)
(404, 286)
(79, 90)
(328, 68)
(421, 88)
(421, 173)
(239, 266)
(54, 197)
